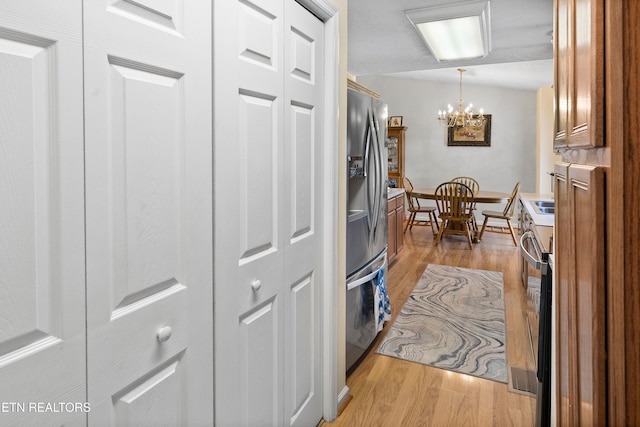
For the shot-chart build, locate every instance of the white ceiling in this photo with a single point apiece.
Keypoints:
(382, 41)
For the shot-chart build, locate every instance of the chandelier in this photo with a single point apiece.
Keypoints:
(461, 118)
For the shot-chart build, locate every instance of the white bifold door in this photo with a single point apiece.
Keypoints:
(149, 211)
(106, 253)
(268, 252)
(42, 267)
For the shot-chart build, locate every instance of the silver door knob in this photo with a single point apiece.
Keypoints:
(256, 285)
(164, 334)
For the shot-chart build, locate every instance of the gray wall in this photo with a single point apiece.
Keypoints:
(428, 159)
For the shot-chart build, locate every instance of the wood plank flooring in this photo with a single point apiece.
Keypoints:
(391, 392)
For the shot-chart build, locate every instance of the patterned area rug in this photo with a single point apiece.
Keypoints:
(454, 320)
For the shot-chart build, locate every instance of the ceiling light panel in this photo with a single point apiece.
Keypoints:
(454, 32)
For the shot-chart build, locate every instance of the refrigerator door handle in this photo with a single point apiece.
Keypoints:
(371, 215)
(377, 190)
(367, 147)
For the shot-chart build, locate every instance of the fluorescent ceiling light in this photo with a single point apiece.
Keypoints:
(457, 31)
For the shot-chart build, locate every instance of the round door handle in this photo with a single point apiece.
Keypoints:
(256, 285)
(164, 334)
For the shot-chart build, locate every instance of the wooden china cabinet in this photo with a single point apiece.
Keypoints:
(597, 278)
(395, 138)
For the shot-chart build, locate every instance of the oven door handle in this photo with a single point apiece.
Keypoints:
(538, 264)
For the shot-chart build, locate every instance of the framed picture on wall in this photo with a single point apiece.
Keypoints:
(471, 137)
(395, 121)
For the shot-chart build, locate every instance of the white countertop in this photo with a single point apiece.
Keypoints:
(393, 192)
(543, 223)
(540, 220)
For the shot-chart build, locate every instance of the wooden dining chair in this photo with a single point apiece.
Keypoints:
(454, 201)
(469, 182)
(475, 187)
(506, 215)
(414, 207)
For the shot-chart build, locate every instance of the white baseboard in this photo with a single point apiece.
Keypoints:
(343, 396)
(343, 399)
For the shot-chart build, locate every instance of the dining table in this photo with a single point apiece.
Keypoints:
(482, 196)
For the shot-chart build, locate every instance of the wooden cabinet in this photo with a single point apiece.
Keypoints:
(580, 295)
(610, 143)
(395, 226)
(391, 228)
(579, 73)
(395, 136)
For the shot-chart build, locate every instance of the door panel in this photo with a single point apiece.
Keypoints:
(145, 183)
(565, 298)
(302, 244)
(259, 175)
(260, 352)
(149, 255)
(587, 194)
(42, 343)
(562, 47)
(580, 294)
(268, 149)
(257, 172)
(249, 224)
(138, 406)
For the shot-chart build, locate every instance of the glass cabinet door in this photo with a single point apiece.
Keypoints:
(392, 144)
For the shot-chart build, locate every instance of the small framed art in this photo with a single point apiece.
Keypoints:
(395, 121)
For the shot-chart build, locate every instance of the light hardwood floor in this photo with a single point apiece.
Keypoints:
(389, 392)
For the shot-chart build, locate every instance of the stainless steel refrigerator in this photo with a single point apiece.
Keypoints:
(367, 303)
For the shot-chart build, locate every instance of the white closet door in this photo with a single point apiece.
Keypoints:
(268, 134)
(149, 210)
(249, 185)
(42, 313)
(302, 237)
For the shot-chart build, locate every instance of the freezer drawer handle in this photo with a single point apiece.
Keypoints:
(362, 280)
(256, 285)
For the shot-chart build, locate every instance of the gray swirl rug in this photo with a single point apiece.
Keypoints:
(454, 320)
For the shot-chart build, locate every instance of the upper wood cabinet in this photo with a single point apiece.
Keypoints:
(396, 153)
(579, 73)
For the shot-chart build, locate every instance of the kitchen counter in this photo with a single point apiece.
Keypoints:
(393, 192)
(540, 220)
